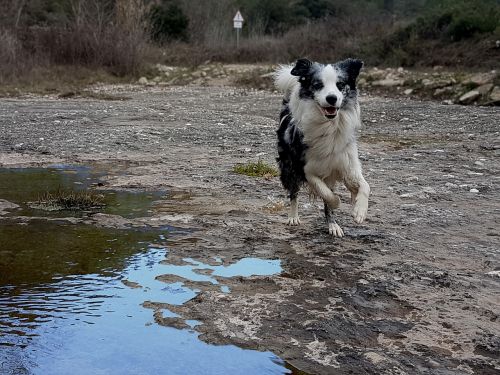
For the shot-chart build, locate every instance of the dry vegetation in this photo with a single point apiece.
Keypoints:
(69, 200)
(63, 45)
(95, 40)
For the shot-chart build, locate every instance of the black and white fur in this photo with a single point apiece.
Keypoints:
(317, 135)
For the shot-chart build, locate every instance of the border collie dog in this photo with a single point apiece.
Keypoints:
(317, 135)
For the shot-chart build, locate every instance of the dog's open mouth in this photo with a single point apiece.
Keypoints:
(329, 112)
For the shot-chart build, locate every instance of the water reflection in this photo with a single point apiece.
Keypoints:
(24, 185)
(244, 267)
(66, 309)
(71, 295)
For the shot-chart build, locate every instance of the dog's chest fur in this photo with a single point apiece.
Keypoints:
(328, 142)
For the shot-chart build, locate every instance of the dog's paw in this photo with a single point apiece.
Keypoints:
(335, 230)
(359, 212)
(293, 221)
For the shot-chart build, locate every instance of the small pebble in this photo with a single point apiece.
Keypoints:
(433, 364)
(493, 273)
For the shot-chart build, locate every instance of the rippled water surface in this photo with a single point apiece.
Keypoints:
(71, 298)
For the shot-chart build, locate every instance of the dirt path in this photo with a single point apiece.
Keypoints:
(412, 291)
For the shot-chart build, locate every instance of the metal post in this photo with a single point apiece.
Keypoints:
(238, 24)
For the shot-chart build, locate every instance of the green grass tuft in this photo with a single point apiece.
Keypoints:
(69, 200)
(259, 169)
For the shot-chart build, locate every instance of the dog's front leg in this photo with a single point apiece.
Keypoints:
(360, 191)
(333, 228)
(330, 200)
(320, 188)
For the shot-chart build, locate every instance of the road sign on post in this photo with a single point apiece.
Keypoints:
(238, 24)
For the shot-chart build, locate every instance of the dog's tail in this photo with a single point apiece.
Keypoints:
(283, 79)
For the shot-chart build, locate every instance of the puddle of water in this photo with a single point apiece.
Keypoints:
(42, 250)
(55, 318)
(94, 324)
(71, 295)
(244, 267)
(23, 185)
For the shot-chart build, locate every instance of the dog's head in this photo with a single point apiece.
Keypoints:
(331, 86)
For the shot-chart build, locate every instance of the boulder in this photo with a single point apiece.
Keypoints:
(444, 91)
(143, 81)
(469, 97)
(362, 82)
(485, 89)
(427, 82)
(388, 82)
(495, 95)
(376, 74)
(164, 68)
(438, 83)
(481, 78)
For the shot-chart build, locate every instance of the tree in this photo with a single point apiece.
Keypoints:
(168, 22)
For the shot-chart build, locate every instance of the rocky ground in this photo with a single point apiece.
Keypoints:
(413, 290)
(466, 88)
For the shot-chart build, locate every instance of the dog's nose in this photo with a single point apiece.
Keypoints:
(331, 99)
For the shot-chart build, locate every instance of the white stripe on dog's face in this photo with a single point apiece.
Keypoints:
(329, 77)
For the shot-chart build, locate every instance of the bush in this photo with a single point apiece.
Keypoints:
(168, 22)
(119, 51)
(94, 34)
(458, 20)
(10, 49)
(448, 33)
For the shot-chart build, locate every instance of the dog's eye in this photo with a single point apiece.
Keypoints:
(317, 86)
(340, 85)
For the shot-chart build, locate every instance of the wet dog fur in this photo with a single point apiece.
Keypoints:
(317, 136)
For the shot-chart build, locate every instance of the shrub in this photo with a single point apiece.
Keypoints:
(117, 50)
(12, 58)
(458, 19)
(168, 22)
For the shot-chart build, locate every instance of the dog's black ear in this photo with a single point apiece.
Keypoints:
(302, 68)
(352, 67)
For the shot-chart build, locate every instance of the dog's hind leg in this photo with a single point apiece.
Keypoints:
(291, 182)
(333, 228)
(293, 214)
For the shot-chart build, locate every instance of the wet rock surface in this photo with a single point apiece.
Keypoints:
(411, 291)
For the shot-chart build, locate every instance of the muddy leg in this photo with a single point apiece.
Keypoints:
(333, 228)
